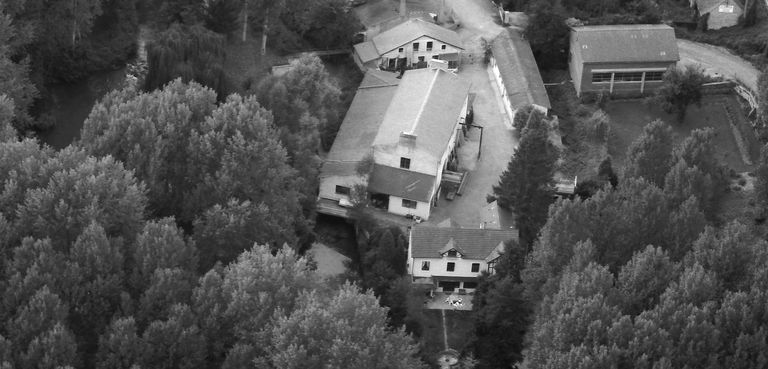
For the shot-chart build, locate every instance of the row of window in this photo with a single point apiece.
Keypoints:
(604, 77)
(449, 267)
(429, 46)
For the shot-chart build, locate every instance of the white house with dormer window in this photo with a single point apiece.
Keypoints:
(454, 258)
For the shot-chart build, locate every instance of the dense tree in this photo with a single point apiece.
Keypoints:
(680, 89)
(548, 35)
(526, 185)
(618, 223)
(120, 346)
(193, 155)
(222, 16)
(382, 259)
(683, 181)
(174, 342)
(650, 155)
(606, 173)
(14, 76)
(349, 329)
(54, 349)
(161, 245)
(761, 183)
(189, 52)
(7, 132)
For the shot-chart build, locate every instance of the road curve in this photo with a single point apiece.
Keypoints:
(716, 59)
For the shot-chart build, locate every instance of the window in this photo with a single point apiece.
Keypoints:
(429, 45)
(601, 77)
(400, 50)
(442, 47)
(470, 285)
(436, 56)
(654, 76)
(628, 77)
(415, 46)
(410, 204)
(453, 64)
(341, 190)
(450, 267)
(452, 253)
(424, 265)
(475, 267)
(491, 267)
(405, 163)
(421, 59)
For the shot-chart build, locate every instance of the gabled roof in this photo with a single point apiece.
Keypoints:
(361, 124)
(411, 30)
(401, 183)
(477, 244)
(626, 43)
(427, 104)
(518, 69)
(706, 6)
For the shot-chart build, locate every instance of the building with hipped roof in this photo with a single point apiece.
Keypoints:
(409, 129)
(454, 258)
(627, 60)
(407, 44)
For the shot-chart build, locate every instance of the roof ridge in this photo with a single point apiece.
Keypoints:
(424, 102)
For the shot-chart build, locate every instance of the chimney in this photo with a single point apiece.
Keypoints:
(407, 139)
(403, 10)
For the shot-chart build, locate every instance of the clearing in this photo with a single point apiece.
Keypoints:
(459, 329)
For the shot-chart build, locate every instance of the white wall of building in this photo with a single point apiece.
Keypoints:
(413, 56)
(439, 266)
(328, 186)
(396, 207)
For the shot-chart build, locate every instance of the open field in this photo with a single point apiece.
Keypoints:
(628, 117)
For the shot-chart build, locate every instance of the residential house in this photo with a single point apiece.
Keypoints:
(719, 13)
(516, 73)
(408, 130)
(407, 44)
(627, 60)
(454, 258)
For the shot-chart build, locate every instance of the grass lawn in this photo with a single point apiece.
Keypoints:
(459, 326)
(628, 117)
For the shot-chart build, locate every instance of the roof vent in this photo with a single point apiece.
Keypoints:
(663, 53)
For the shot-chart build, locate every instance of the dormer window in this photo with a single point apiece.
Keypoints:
(405, 163)
(452, 253)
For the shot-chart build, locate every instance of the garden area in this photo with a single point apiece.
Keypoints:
(459, 329)
(628, 117)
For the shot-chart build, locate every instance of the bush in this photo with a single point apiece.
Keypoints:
(598, 126)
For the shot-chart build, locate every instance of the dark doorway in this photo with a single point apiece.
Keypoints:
(448, 286)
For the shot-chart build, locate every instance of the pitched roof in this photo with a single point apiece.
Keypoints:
(426, 104)
(477, 244)
(626, 43)
(411, 30)
(402, 183)
(706, 6)
(361, 124)
(518, 69)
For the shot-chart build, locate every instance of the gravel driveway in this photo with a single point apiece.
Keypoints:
(716, 59)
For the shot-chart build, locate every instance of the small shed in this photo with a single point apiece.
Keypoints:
(720, 13)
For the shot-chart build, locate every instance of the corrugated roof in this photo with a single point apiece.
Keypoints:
(426, 104)
(402, 183)
(366, 51)
(411, 30)
(518, 69)
(626, 43)
(361, 124)
(478, 244)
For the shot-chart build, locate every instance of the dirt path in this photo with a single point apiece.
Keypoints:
(476, 15)
(715, 59)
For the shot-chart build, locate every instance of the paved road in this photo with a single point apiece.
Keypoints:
(715, 59)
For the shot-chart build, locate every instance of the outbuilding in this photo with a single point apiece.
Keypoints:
(627, 60)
